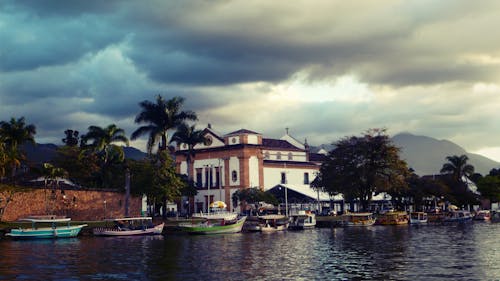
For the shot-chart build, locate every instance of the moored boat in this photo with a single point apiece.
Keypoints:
(217, 212)
(483, 215)
(457, 216)
(302, 220)
(213, 227)
(273, 222)
(418, 218)
(393, 218)
(43, 227)
(357, 219)
(129, 227)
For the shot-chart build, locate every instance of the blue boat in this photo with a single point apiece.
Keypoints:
(46, 227)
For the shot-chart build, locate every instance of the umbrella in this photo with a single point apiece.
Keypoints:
(218, 204)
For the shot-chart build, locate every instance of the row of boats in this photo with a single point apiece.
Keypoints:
(393, 217)
(223, 222)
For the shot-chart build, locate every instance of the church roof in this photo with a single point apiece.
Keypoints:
(280, 144)
(242, 131)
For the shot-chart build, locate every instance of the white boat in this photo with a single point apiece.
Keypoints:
(217, 212)
(358, 219)
(47, 227)
(418, 218)
(272, 223)
(458, 216)
(129, 227)
(302, 219)
(483, 215)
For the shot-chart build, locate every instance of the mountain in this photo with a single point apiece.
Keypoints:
(41, 153)
(427, 155)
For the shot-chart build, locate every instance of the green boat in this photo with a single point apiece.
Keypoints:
(59, 228)
(210, 227)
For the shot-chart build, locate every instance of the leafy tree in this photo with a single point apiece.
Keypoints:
(160, 117)
(424, 187)
(83, 168)
(166, 185)
(72, 138)
(51, 174)
(253, 195)
(361, 166)
(489, 187)
(13, 134)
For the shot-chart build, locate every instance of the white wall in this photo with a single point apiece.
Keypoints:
(254, 171)
(234, 165)
(272, 176)
(253, 139)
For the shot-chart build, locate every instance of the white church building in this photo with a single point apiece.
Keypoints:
(245, 159)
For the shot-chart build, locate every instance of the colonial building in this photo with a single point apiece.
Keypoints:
(245, 159)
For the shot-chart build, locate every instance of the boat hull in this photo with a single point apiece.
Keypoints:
(46, 232)
(157, 230)
(207, 228)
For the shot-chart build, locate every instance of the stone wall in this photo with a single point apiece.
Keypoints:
(80, 205)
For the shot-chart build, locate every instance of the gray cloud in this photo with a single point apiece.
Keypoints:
(67, 64)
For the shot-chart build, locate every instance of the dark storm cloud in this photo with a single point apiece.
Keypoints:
(92, 62)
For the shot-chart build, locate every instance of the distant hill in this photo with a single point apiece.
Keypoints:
(41, 153)
(427, 155)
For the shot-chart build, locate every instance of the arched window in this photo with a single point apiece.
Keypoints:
(234, 176)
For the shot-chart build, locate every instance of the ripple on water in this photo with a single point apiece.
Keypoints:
(373, 253)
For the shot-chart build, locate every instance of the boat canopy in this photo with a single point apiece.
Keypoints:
(218, 204)
(42, 220)
(130, 219)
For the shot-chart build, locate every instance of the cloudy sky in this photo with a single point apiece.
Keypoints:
(324, 69)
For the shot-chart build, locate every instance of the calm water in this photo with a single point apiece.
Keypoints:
(470, 252)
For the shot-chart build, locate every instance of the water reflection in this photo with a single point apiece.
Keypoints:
(469, 252)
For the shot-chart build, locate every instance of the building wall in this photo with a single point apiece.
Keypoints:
(254, 178)
(78, 204)
(294, 176)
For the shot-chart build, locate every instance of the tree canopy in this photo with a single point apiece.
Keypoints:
(159, 118)
(358, 167)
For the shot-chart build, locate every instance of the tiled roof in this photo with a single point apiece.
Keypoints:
(281, 144)
(317, 157)
(242, 131)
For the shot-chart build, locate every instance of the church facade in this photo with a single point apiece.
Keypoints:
(245, 159)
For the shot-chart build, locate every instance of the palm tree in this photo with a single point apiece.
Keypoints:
(111, 155)
(457, 166)
(189, 136)
(103, 139)
(13, 134)
(160, 117)
(51, 174)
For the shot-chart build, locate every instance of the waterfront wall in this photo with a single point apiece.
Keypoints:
(80, 205)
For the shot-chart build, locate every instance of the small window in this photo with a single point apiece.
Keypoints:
(306, 178)
(278, 156)
(266, 155)
(234, 176)
(208, 140)
(199, 179)
(283, 177)
(290, 157)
